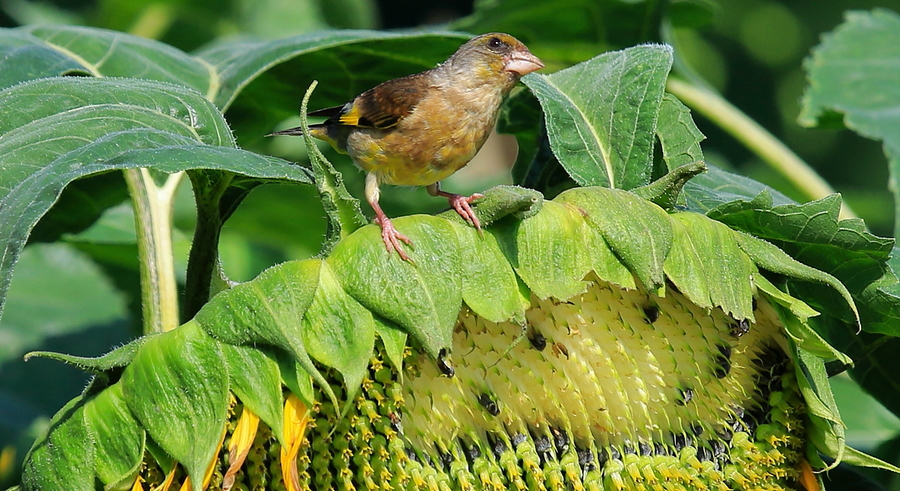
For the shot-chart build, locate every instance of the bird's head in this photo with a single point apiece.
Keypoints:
(496, 56)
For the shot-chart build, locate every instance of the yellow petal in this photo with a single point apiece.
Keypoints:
(168, 482)
(296, 418)
(808, 478)
(138, 484)
(239, 446)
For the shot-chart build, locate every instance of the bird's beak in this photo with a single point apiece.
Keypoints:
(523, 63)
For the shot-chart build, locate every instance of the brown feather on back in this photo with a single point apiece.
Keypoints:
(382, 106)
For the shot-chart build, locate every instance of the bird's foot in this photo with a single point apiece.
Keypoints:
(461, 205)
(392, 238)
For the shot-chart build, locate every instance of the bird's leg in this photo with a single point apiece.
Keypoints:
(389, 234)
(459, 203)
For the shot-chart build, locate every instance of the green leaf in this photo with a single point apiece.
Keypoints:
(826, 431)
(678, 134)
(61, 129)
(337, 331)
(269, 310)
(489, 285)
(549, 252)
(119, 439)
(604, 136)
(814, 234)
(177, 387)
(773, 259)
(63, 457)
(717, 187)
(708, 266)
(854, 72)
(638, 232)
(49, 51)
(297, 379)
(794, 316)
(879, 303)
(341, 209)
(394, 340)
(256, 380)
(666, 191)
(237, 63)
(422, 298)
(855, 457)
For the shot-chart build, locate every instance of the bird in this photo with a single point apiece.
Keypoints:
(419, 129)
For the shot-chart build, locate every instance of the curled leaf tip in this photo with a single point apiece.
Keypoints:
(665, 190)
(500, 201)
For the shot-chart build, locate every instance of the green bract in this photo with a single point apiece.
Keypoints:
(317, 316)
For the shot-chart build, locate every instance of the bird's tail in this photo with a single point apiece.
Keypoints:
(314, 129)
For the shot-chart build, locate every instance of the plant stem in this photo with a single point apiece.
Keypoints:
(153, 223)
(153, 21)
(204, 256)
(756, 138)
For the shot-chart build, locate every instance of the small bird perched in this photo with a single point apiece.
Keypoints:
(419, 129)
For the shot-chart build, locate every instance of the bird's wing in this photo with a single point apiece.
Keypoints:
(380, 107)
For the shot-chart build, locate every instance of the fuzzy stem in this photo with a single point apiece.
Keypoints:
(203, 259)
(756, 138)
(153, 223)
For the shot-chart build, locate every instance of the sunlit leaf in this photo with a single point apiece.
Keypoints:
(601, 115)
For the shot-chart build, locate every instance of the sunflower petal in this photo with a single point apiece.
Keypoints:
(239, 446)
(296, 418)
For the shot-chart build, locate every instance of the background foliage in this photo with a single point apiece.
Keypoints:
(77, 292)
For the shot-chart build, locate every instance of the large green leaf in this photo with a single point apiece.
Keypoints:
(59, 129)
(256, 381)
(604, 136)
(345, 62)
(855, 72)
(813, 234)
(638, 232)
(48, 51)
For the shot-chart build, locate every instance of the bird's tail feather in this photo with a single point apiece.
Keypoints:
(296, 131)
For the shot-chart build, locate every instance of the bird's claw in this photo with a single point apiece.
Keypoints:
(461, 205)
(392, 238)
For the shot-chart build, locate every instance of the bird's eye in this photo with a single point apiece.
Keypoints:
(495, 43)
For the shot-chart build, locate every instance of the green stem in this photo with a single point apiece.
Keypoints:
(154, 21)
(755, 138)
(153, 223)
(341, 208)
(204, 256)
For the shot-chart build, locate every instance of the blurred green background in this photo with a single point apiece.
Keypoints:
(80, 295)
